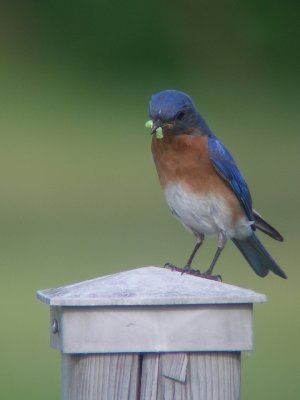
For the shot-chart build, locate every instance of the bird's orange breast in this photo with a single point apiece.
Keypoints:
(184, 159)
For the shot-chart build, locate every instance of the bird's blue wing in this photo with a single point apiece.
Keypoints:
(228, 170)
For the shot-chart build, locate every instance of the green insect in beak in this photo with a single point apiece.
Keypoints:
(158, 132)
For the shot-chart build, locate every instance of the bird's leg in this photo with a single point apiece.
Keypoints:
(208, 274)
(188, 265)
(222, 239)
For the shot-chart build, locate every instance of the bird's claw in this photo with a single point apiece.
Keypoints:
(188, 270)
(172, 266)
(205, 275)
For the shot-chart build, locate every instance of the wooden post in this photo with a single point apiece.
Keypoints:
(150, 334)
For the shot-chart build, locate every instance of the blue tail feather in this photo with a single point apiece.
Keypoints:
(258, 257)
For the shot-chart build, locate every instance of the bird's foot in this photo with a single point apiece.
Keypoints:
(172, 267)
(205, 275)
(195, 272)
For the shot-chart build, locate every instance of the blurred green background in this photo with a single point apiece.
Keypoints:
(79, 192)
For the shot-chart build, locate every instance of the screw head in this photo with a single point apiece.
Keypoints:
(54, 326)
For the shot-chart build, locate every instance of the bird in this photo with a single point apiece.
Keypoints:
(203, 185)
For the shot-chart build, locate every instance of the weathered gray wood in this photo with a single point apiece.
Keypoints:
(105, 377)
(148, 286)
(149, 376)
(174, 366)
(210, 376)
(207, 376)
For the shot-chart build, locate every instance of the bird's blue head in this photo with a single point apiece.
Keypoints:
(174, 110)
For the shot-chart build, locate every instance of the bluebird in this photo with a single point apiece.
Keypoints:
(202, 184)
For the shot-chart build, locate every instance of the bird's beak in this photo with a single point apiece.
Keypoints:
(156, 124)
(155, 127)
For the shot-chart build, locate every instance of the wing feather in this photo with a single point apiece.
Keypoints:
(226, 167)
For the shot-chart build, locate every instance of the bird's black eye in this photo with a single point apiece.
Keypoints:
(180, 115)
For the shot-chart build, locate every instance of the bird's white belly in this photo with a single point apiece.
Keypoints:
(207, 214)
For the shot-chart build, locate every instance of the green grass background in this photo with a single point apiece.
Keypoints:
(79, 192)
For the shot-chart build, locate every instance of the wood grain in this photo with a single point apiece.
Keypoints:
(103, 376)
